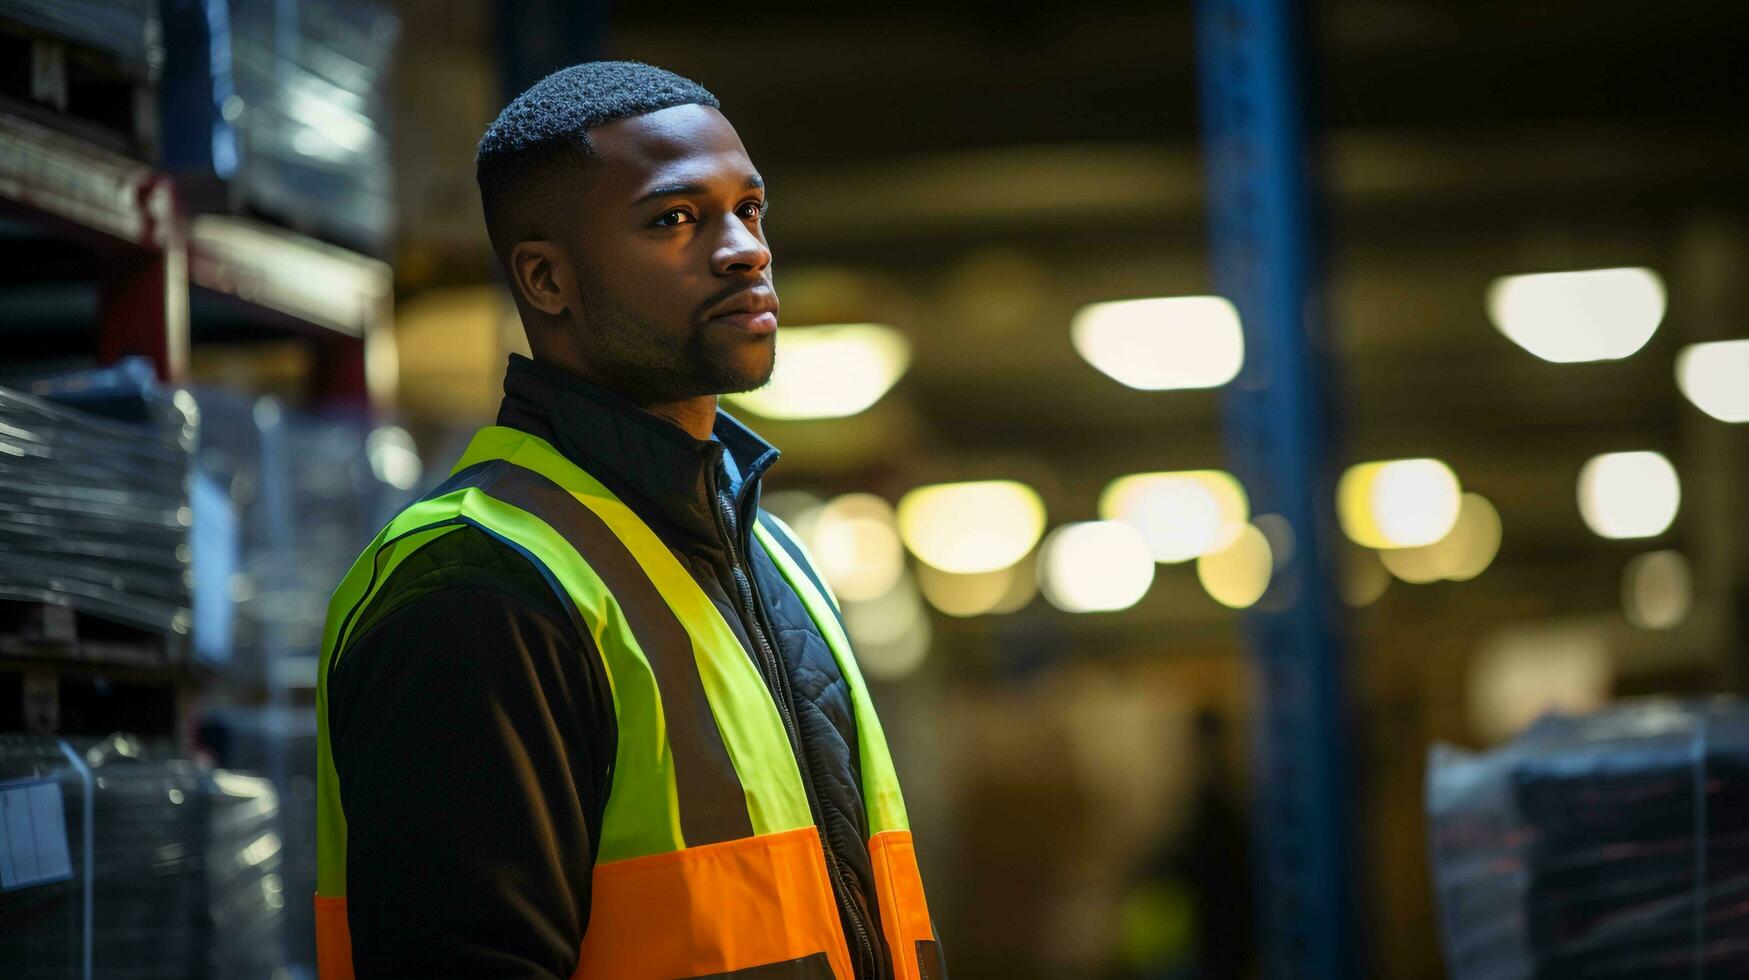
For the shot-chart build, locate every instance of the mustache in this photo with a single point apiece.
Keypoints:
(700, 314)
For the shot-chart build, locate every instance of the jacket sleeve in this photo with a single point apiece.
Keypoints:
(472, 733)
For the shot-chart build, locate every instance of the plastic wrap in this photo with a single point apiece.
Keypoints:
(302, 498)
(280, 744)
(1614, 845)
(284, 104)
(93, 511)
(139, 865)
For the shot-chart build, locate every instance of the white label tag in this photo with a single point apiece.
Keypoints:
(33, 834)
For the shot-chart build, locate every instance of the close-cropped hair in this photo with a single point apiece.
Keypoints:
(544, 132)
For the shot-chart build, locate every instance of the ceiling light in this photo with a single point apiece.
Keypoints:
(1595, 315)
(1629, 495)
(829, 372)
(1154, 344)
(971, 527)
(1181, 515)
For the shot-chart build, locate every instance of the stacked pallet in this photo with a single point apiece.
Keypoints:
(1611, 845)
(94, 523)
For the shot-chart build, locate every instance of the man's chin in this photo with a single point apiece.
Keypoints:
(736, 386)
(736, 374)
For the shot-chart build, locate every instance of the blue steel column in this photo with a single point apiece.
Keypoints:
(1263, 227)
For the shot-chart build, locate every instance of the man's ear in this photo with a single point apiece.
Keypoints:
(542, 278)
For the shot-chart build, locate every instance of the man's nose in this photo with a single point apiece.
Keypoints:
(740, 250)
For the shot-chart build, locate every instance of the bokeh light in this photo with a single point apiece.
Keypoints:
(1238, 575)
(393, 457)
(980, 594)
(1461, 555)
(1595, 315)
(1523, 672)
(1657, 590)
(829, 372)
(891, 632)
(971, 527)
(1715, 377)
(1095, 566)
(1181, 515)
(1629, 495)
(1364, 578)
(1156, 344)
(1417, 566)
(1400, 503)
(855, 540)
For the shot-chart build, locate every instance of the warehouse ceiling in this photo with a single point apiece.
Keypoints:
(974, 173)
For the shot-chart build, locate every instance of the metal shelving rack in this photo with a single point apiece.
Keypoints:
(167, 281)
(153, 256)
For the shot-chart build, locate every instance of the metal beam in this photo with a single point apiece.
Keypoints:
(1280, 434)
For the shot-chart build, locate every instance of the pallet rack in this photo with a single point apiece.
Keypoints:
(78, 212)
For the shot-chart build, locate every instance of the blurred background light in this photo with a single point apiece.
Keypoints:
(1475, 542)
(797, 508)
(1400, 503)
(891, 632)
(1657, 590)
(393, 457)
(1181, 515)
(1095, 566)
(1238, 575)
(971, 527)
(1364, 578)
(1715, 377)
(1156, 344)
(1417, 566)
(1524, 672)
(983, 593)
(856, 542)
(829, 372)
(1566, 317)
(1629, 495)
(1461, 555)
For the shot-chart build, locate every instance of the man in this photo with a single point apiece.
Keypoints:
(586, 710)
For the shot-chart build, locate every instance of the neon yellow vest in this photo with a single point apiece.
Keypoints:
(708, 861)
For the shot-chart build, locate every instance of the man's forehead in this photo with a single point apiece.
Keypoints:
(641, 145)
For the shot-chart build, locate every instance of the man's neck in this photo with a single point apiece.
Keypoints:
(698, 416)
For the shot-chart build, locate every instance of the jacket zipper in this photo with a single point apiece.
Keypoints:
(727, 524)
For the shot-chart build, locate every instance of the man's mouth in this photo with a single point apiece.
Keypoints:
(754, 311)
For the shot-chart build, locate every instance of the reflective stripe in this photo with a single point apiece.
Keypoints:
(713, 909)
(643, 807)
(713, 806)
(745, 713)
(904, 911)
(880, 784)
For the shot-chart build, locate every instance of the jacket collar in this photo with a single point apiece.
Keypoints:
(655, 466)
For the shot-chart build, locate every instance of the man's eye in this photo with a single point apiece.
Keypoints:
(675, 218)
(754, 210)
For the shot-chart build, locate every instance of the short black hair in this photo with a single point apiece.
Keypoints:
(546, 128)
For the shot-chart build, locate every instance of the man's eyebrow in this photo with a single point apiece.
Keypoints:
(687, 190)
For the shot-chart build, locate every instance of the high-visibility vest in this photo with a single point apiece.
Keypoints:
(709, 861)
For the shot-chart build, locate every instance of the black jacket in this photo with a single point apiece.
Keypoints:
(472, 726)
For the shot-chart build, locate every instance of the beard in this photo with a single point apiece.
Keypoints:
(653, 363)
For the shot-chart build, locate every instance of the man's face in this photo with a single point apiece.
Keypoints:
(670, 259)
